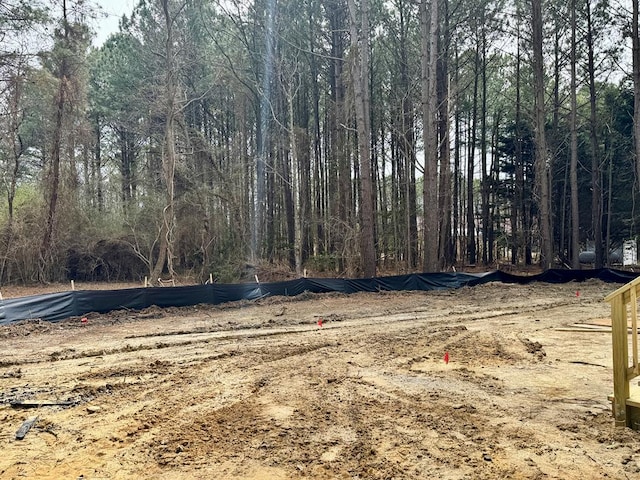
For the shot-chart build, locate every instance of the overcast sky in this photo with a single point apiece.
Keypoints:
(113, 11)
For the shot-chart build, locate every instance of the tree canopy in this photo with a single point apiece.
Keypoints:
(340, 137)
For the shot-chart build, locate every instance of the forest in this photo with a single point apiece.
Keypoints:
(334, 137)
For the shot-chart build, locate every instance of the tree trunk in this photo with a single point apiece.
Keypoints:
(542, 159)
(596, 189)
(429, 36)
(294, 180)
(15, 118)
(96, 166)
(407, 151)
(445, 247)
(54, 179)
(166, 233)
(360, 73)
(471, 222)
(484, 177)
(457, 187)
(494, 207)
(635, 36)
(573, 175)
(338, 197)
(519, 215)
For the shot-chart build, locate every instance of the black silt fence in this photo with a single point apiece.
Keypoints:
(59, 306)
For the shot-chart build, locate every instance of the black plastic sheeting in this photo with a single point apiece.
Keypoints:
(58, 306)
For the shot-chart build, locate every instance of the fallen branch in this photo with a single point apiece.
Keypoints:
(40, 403)
(26, 426)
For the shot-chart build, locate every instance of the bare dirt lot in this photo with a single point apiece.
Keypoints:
(262, 390)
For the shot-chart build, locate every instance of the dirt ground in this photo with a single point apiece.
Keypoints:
(322, 387)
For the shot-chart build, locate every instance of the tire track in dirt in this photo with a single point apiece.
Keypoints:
(366, 396)
(137, 343)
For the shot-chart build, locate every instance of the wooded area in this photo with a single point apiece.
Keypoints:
(354, 137)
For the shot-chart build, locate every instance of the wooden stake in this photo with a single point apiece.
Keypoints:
(620, 360)
(211, 278)
(633, 303)
(73, 285)
(146, 282)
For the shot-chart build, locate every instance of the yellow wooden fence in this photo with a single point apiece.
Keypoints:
(624, 301)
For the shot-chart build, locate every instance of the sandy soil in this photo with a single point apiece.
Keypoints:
(262, 390)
